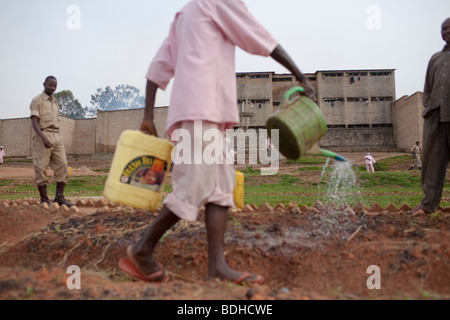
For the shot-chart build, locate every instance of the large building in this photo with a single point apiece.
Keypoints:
(359, 106)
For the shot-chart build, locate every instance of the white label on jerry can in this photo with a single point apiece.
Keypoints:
(146, 172)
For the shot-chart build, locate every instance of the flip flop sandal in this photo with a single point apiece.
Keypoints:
(242, 279)
(130, 268)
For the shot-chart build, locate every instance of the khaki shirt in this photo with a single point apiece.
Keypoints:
(47, 110)
(436, 93)
(415, 150)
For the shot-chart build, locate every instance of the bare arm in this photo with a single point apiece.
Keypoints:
(35, 124)
(148, 125)
(281, 56)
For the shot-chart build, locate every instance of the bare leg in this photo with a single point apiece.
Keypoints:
(142, 251)
(216, 220)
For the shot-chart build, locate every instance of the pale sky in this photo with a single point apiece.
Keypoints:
(94, 44)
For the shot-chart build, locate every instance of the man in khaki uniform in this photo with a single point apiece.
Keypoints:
(415, 151)
(47, 143)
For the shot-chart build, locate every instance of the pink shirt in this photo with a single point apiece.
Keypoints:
(200, 54)
(370, 159)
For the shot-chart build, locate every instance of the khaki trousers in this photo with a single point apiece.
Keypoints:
(54, 157)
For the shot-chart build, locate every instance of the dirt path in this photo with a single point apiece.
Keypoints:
(317, 252)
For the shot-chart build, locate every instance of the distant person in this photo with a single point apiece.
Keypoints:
(199, 54)
(231, 155)
(436, 126)
(370, 161)
(269, 144)
(47, 143)
(2, 154)
(415, 152)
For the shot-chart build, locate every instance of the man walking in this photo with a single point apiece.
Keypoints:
(199, 53)
(415, 151)
(47, 143)
(436, 126)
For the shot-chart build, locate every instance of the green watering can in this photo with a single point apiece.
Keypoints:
(301, 125)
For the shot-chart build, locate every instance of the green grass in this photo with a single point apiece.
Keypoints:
(314, 168)
(369, 193)
(384, 187)
(250, 171)
(385, 164)
(80, 186)
(5, 182)
(308, 160)
(390, 179)
(17, 160)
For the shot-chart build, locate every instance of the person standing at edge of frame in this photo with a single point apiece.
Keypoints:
(47, 143)
(436, 126)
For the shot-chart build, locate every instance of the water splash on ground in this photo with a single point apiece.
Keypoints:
(341, 184)
(338, 193)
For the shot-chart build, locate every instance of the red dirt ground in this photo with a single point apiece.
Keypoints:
(307, 253)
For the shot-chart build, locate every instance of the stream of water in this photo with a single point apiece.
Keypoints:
(338, 193)
(341, 184)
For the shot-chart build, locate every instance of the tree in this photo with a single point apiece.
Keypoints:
(69, 106)
(122, 97)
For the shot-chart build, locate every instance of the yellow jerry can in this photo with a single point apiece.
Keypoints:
(138, 171)
(238, 191)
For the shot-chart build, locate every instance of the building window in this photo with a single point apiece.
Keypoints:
(382, 125)
(380, 73)
(336, 126)
(327, 100)
(255, 101)
(351, 126)
(258, 76)
(240, 76)
(312, 78)
(357, 99)
(357, 74)
(332, 74)
(382, 99)
(281, 79)
(333, 101)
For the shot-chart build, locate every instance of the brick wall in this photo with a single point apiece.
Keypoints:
(15, 137)
(84, 137)
(67, 130)
(408, 121)
(110, 124)
(359, 138)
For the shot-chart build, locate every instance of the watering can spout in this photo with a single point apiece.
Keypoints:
(340, 158)
(315, 150)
